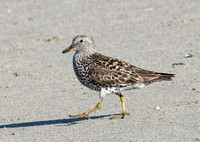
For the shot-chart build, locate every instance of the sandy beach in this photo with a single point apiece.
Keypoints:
(38, 87)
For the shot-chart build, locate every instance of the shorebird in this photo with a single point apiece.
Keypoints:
(108, 75)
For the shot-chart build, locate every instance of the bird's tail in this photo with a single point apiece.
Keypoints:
(165, 76)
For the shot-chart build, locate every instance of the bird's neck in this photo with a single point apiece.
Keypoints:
(80, 55)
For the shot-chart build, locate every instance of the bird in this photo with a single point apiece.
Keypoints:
(108, 75)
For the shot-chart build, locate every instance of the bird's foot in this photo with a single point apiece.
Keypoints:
(86, 114)
(82, 115)
(119, 117)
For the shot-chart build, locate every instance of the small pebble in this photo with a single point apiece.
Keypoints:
(184, 21)
(157, 108)
(9, 10)
(149, 9)
(188, 55)
(176, 64)
(16, 74)
(51, 65)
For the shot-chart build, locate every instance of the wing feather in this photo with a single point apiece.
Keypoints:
(108, 71)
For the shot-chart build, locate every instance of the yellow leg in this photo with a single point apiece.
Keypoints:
(86, 114)
(123, 108)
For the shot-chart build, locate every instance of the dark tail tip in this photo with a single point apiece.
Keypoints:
(165, 76)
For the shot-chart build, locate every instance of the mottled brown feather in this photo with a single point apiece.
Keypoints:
(109, 71)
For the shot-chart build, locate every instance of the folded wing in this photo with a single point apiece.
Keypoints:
(109, 71)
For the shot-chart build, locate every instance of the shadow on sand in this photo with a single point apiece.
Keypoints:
(70, 121)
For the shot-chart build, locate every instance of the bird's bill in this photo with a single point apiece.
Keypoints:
(70, 48)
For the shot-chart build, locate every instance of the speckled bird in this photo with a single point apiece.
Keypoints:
(108, 75)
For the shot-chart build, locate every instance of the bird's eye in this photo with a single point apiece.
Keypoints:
(81, 40)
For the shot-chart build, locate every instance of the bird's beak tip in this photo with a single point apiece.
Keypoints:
(64, 51)
(70, 48)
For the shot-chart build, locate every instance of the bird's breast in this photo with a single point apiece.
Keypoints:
(82, 69)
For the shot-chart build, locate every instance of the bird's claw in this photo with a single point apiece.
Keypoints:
(119, 117)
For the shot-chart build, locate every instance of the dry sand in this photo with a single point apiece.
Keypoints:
(38, 88)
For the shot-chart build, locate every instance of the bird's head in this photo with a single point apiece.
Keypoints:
(81, 43)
